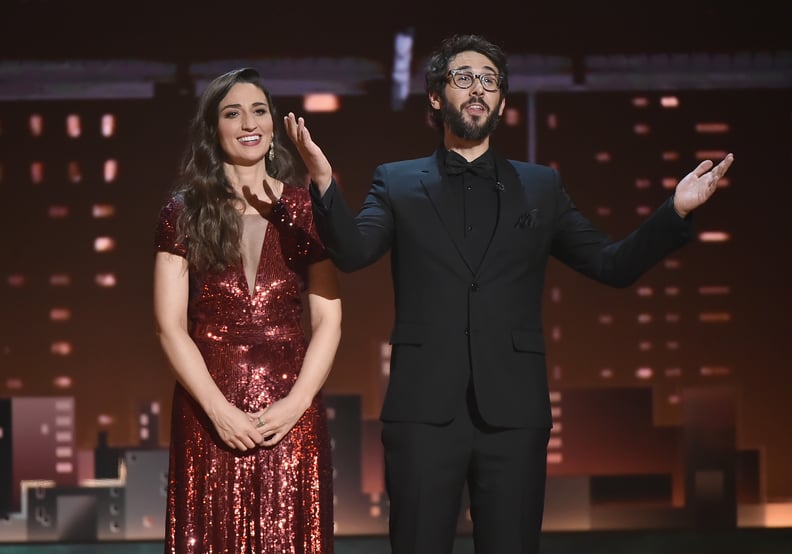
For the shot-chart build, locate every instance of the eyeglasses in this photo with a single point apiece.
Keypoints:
(465, 79)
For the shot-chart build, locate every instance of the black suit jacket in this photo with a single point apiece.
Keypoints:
(453, 320)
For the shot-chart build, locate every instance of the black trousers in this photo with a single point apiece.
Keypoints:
(427, 466)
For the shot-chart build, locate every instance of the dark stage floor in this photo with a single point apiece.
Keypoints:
(742, 541)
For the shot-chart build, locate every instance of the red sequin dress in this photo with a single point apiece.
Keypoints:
(266, 500)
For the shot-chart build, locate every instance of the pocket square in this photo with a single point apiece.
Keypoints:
(528, 219)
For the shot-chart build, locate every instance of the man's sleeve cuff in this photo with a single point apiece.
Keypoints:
(324, 201)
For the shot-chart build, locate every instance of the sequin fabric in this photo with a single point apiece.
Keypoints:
(268, 500)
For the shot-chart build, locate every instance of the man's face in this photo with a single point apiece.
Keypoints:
(471, 113)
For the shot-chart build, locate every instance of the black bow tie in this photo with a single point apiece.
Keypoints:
(481, 166)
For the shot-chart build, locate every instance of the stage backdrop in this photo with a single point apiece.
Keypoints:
(670, 398)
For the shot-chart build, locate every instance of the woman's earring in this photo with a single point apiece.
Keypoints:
(271, 153)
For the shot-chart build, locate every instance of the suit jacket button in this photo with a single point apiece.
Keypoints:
(467, 332)
(474, 286)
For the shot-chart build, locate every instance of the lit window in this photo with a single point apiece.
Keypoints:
(64, 452)
(713, 127)
(60, 280)
(321, 102)
(714, 290)
(104, 244)
(61, 348)
(669, 102)
(100, 211)
(60, 314)
(714, 370)
(602, 157)
(511, 117)
(36, 172)
(641, 129)
(715, 155)
(75, 172)
(714, 236)
(640, 101)
(108, 125)
(36, 125)
(105, 280)
(714, 317)
(110, 171)
(58, 212)
(64, 467)
(73, 125)
(644, 373)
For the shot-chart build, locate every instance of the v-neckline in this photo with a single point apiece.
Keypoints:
(254, 235)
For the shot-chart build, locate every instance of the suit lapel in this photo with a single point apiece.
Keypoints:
(445, 203)
(510, 202)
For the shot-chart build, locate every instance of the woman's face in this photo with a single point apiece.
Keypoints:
(245, 126)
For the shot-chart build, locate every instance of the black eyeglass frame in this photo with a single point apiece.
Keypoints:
(498, 79)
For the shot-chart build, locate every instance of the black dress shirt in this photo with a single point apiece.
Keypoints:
(474, 184)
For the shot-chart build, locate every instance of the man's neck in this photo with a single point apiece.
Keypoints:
(470, 150)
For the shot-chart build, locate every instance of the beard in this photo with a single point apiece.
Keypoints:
(468, 130)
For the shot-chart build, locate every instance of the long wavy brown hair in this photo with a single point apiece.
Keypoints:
(210, 221)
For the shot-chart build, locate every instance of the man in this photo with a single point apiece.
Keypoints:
(470, 234)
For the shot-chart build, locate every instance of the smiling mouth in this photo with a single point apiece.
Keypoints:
(476, 106)
(250, 138)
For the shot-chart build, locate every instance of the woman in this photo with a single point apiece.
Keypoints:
(237, 254)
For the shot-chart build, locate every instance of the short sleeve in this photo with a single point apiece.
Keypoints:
(166, 236)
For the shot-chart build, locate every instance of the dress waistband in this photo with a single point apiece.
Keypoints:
(243, 334)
